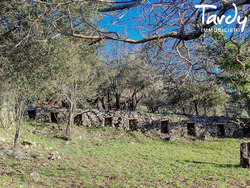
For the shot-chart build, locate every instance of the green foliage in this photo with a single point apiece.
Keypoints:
(125, 74)
(36, 62)
(236, 71)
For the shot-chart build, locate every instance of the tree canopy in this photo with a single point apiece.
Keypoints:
(166, 55)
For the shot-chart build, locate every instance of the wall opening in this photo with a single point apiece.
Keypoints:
(32, 114)
(221, 130)
(78, 119)
(108, 121)
(246, 130)
(165, 126)
(53, 117)
(191, 129)
(133, 124)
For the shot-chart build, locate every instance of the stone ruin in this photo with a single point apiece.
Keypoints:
(96, 118)
(116, 119)
(212, 126)
(42, 113)
(197, 126)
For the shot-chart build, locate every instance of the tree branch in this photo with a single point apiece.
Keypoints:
(121, 7)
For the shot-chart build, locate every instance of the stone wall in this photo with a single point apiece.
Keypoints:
(214, 126)
(44, 113)
(117, 119)
(195, 126)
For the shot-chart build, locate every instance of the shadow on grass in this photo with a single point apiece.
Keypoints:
(214, 164)
(61, 137)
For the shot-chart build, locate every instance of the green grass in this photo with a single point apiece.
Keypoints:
(107, 157)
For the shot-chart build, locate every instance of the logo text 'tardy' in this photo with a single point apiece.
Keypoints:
(218, 20)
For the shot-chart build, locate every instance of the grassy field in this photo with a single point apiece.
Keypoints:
(107, 157)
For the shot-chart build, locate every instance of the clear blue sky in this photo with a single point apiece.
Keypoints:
(130, 23)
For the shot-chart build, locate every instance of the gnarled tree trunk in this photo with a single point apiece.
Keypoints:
(20, 109)
(117, 97)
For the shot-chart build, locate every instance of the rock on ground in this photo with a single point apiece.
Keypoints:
(14, 153)
(37, 176)
(3, 155)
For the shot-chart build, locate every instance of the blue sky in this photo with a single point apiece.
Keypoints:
(134, 15)
(122, 25)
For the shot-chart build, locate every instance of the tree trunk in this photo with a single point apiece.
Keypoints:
(18, 127)
(109, 100)
(182, 105)
(196, 108)
(117, 97)
(131, 105)
(183, 109)
(19, 116)
(70, 121)
(226, 111)
(190, 110)
(205, 109)
(136, 102)
(102, 101)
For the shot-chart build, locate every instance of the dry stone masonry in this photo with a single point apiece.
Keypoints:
(197, 126)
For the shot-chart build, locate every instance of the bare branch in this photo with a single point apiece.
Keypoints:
(70, 19)
(190, 64)
(121, 7)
